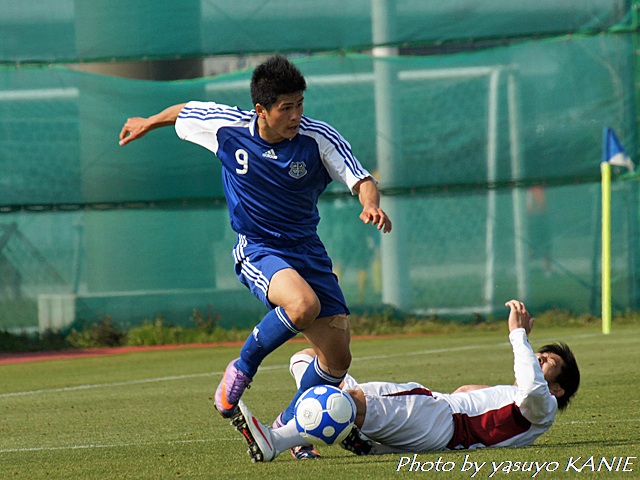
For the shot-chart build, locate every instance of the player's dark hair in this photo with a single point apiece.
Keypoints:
(276, 76)
(569, 376)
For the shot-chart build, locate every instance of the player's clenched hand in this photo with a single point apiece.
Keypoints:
(519, 316)
(369, 197)
(377, 217)
(133, 129)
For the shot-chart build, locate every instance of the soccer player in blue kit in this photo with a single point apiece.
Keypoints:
(275, 164)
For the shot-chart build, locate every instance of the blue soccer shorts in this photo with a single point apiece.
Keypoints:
(256, 263)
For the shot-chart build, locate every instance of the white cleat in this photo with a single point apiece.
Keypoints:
(257, 435)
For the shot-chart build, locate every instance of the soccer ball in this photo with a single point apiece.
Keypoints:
(324, 414)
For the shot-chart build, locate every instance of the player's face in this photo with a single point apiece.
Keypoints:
(551, 364)
(282, 121)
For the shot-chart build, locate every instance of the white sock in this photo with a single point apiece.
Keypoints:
(287, 437)
(298, 365)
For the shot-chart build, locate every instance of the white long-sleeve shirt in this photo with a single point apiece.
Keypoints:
(408, 417)
(505, 415)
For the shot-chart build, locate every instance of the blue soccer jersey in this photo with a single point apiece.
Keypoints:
(271, 189)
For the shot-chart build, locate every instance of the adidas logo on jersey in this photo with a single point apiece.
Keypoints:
(270, 154)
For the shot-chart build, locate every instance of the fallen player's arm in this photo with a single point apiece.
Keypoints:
(470, 388)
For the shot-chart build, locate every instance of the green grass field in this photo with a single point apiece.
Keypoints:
(150, 415)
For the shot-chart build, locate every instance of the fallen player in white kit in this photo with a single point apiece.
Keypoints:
(409, 418)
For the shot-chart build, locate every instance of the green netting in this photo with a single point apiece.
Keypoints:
(135, 265)
(90, 229)
(83, 30)
(523, 112)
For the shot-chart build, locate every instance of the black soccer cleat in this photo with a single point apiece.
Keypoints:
(357, 443)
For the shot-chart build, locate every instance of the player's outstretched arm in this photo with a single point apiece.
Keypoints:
(534, 397)
(369, 197)
(137, 127)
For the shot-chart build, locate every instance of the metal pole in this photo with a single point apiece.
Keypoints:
(492, 146)
(395, 273)
(519, 225)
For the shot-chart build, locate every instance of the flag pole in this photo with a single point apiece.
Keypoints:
(612, 154)
(605, 170)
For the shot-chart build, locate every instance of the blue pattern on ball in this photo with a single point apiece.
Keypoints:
(324, 414)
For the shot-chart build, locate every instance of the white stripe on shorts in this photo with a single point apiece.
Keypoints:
(255, 275)
(238, 251)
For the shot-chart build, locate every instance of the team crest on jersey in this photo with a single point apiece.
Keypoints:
(297, 169)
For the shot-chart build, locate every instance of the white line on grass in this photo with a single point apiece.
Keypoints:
(263, 368)
(104, 385)
(589, 422)
(198, 375)
(115, 445)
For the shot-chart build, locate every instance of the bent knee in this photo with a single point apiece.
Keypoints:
(303, 311)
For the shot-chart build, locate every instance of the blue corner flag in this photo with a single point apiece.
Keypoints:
(613, 152)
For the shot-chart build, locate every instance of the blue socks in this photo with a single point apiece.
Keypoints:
(312, 376)
(274, 330)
